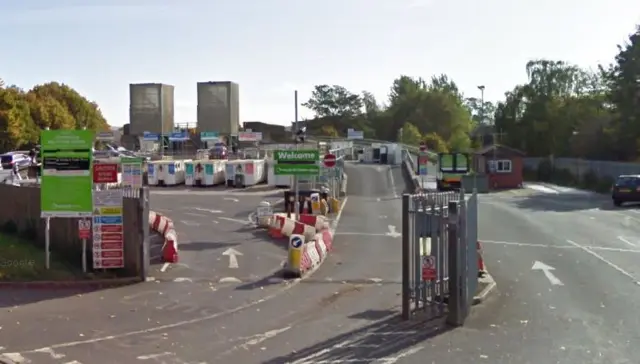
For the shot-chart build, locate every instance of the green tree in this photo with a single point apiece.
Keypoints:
(334, 102)
(410, 134)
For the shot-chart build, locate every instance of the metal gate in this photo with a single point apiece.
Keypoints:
(439, 254)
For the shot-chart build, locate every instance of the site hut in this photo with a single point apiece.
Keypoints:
(505, 171)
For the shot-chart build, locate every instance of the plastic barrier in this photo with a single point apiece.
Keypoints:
(481, 269)
(164, 226)
(306, 255)
(166, 173)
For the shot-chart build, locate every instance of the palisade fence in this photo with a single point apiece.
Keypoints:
(579, 167)
(439, 254)
(20, 214)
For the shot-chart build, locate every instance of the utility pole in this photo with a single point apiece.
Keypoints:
(295, 136)
(475, 178)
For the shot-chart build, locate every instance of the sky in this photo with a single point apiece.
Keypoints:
(273, 47)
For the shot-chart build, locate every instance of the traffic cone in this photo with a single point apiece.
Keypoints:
(481, 270)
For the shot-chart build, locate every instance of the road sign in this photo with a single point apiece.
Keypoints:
(329, 160)
(66, 185)
(106, 136)
(105, 173)
(296, 242)
(297, 162)
(84, 229)
(428, 268)
(423, 163)
(423, 146)
(209, 136)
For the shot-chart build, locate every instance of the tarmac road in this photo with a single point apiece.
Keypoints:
(582, 311)
(270, 323)
(217, 239)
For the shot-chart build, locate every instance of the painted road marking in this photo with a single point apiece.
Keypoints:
(547, 270)
(231, 199)
(556, 246)
(244, 222)
(154, 356)
(624, 240)
(602, 259)
(165, 266)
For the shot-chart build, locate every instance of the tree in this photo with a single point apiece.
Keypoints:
(53, 105)
(329, 130)
(410, 134)
(334, 102)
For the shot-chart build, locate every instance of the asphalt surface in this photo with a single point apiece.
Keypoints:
(217, 239)
(582, 311)
(350, 296)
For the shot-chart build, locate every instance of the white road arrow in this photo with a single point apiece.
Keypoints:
(546, 269)
(392, 232)
(233, 257)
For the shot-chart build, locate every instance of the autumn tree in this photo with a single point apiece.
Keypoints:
(52, 105)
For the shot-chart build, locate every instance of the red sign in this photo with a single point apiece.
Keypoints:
(109, 245)
(428, 268)
(111, 237)
(423, 146)
(84, 229)
(116, 228)
(105, 173)
(109, 263)
(329, 160)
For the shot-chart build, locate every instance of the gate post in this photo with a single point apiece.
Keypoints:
(455, 316)
(406, 259)
(143, 218)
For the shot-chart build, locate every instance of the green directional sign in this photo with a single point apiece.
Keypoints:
(297, 162)
(66, 186)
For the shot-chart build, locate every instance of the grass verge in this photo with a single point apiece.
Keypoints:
(21, 261)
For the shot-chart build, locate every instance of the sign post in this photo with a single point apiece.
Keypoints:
(423, 163)
(84, 233)
(297, 163)
(66, 184)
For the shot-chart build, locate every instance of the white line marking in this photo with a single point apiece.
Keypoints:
(208, 210)
(334, 224)
(393, 183)
(555, 246)
(175, 324)
(52, 353)
(546, 269)
(73, 362)
(165, 266)
(231, 199)
(229, 280)
(257, 339)
(195, 214)
(189, 223)
(622, 239)
(154, 356)
(404, 354)
(602, 259)
(243, 222)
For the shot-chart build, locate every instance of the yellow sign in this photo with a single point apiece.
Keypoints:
(117, 211)
(295, 254)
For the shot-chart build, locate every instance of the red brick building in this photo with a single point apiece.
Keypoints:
(505, 172)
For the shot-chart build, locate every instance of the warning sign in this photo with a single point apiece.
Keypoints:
(428, 268)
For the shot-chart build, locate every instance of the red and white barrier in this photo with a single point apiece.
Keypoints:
(164, 226)
(314, 252)
(319, 222)
(481, 269)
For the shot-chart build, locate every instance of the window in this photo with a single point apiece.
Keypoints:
(503, 166)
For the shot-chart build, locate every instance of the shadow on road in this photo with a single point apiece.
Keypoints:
(567, 202)
(208, 245)
(386, 339)
(16, 297)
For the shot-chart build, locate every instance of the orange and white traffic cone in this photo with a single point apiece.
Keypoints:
(481, 270)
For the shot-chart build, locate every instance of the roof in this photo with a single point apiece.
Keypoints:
(499, 147)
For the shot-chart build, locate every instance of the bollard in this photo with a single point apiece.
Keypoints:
(294, 259)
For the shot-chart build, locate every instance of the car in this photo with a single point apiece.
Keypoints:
(12, 159)
(626, 189)
(219, 151)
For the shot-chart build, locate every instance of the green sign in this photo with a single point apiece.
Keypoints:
(66, 186)
(297, 156)
(297, 162)
(296, 170)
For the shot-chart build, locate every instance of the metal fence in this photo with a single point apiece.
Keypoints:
(580, 167)
(439, 254)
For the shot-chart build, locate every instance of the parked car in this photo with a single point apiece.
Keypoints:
(626, 189)
(219, 151)
(11, 159)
